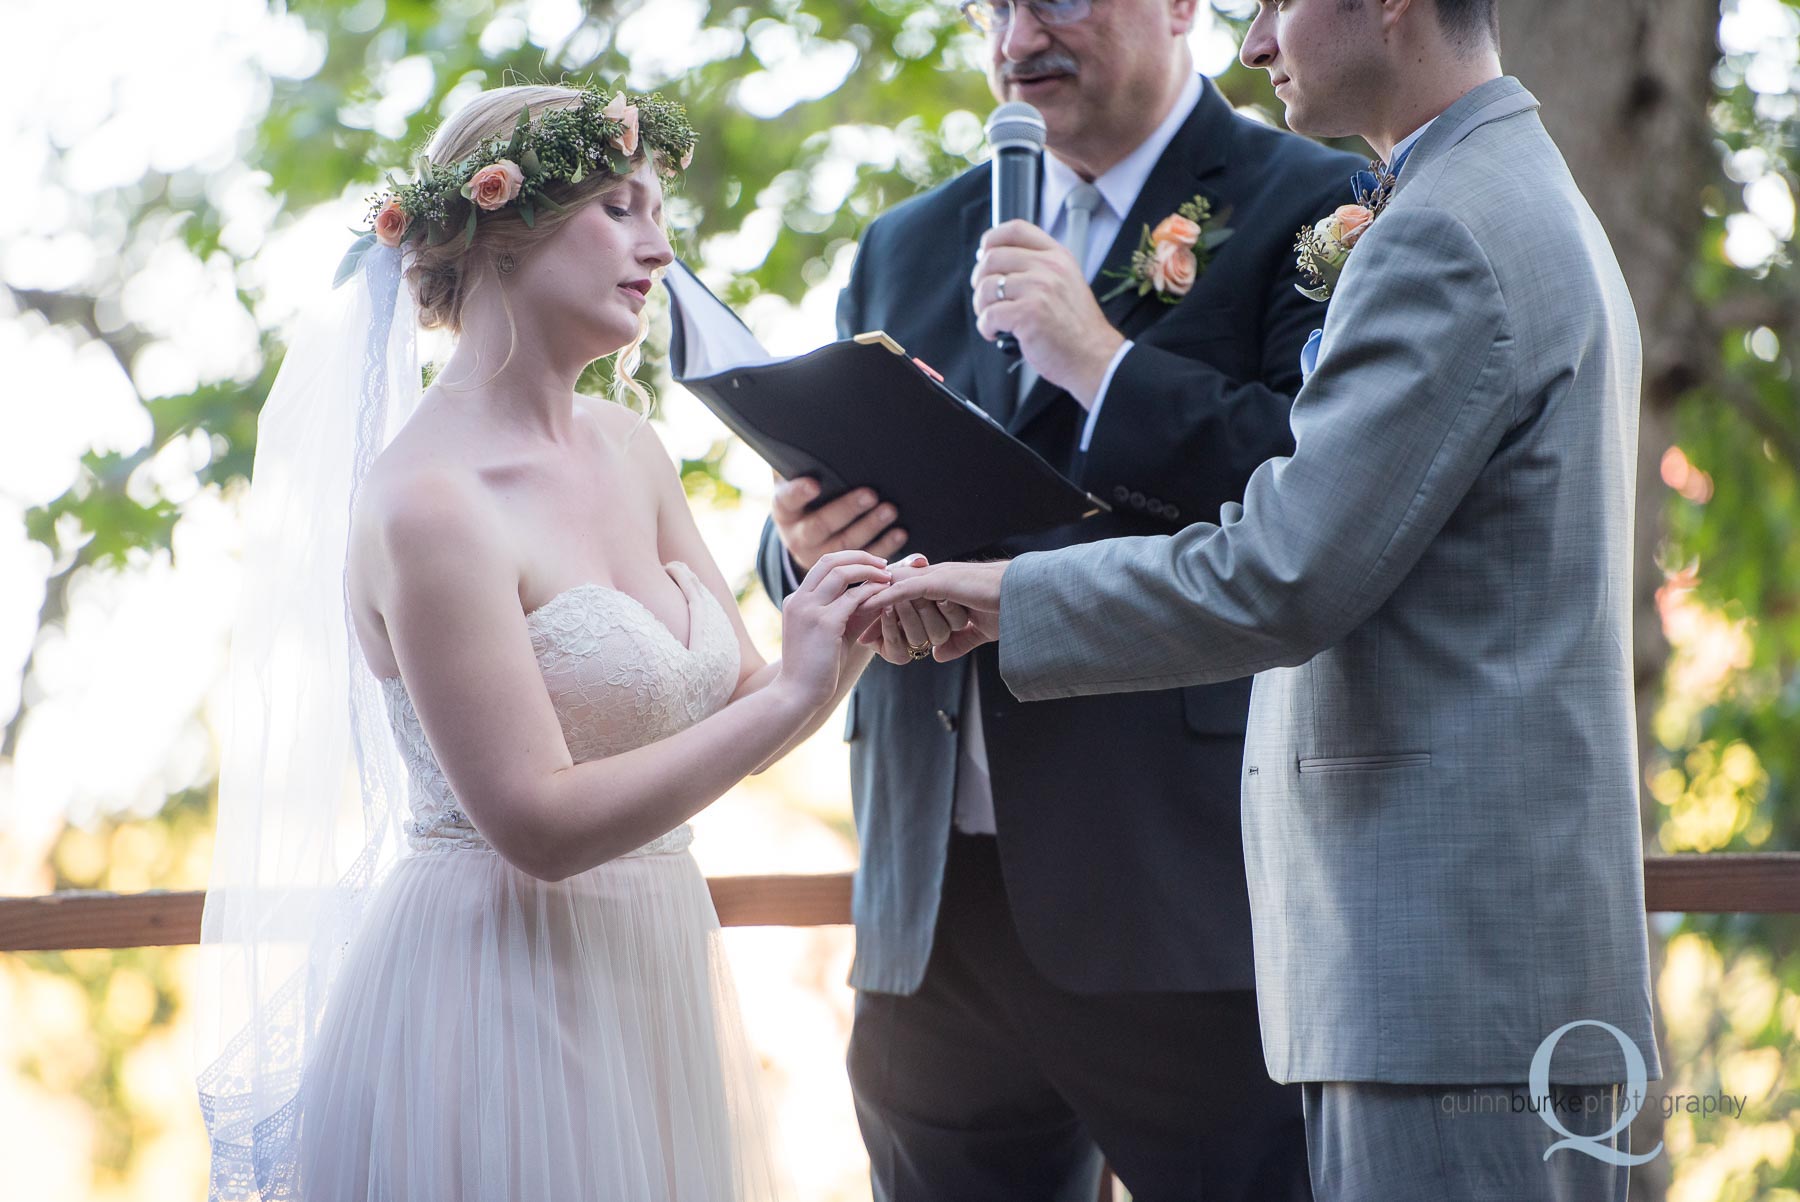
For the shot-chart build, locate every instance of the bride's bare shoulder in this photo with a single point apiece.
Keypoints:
(415, 510)
(416, 496)
(410, 497)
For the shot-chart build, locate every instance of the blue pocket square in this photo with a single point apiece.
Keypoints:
(1309, 354)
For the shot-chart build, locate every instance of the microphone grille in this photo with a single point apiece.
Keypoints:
(1015, 123)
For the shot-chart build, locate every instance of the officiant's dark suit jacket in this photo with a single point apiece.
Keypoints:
(1117, 816)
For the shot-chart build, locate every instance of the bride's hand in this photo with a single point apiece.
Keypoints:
(966, 601)
(926, 625)
(819, 625)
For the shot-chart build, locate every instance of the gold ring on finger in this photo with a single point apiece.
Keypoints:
(918, 651)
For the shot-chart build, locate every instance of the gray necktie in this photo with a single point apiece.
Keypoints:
(1080, 206)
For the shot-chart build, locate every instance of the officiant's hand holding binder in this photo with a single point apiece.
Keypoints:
(861, 413)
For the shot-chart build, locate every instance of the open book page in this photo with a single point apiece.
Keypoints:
(861, 412)
(709, 337)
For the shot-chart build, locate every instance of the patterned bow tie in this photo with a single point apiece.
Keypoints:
(1375, 184)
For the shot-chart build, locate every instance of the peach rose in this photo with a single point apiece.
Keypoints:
(391, 223)
(495, 184)
(627, 139)
(1176, 229)
(1172, 270)
(1350, 222)
(687, 156)
(617, 110)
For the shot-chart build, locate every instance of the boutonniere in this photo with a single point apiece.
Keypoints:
(1172, 256)
(1323, 249)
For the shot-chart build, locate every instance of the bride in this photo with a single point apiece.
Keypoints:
(526, 998)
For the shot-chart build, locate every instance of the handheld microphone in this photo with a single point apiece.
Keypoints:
(1015, 132)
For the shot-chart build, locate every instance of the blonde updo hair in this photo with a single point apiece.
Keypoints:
(444, 276)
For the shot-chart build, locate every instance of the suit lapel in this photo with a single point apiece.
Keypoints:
(1198, 150)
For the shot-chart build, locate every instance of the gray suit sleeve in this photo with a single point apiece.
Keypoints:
(1413, 393)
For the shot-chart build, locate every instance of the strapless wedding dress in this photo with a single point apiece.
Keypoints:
(497, 1038)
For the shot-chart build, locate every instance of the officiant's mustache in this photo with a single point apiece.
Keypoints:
(1050, 62)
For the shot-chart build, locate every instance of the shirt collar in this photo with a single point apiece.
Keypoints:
(1120, 184)
(1405, 144)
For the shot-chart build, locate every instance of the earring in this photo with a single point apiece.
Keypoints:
(506, 264)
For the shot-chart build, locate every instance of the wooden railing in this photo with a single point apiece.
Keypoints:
(1694, 884)
(1767, 883)
(85, 919)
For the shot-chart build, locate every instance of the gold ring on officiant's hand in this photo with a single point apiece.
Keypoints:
(920, 651)
(1000, 288)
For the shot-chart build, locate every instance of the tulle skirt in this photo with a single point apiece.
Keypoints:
(497, 1038)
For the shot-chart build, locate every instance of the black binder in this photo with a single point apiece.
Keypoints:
(861, 413)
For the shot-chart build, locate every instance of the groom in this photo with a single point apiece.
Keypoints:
(1440, 781)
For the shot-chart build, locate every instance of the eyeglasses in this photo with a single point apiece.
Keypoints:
(994, 16)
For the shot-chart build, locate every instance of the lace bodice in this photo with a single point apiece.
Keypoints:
(618, 679)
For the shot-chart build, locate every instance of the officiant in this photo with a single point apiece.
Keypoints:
(1043, 981)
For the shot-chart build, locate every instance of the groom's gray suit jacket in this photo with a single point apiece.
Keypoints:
(1440, 775)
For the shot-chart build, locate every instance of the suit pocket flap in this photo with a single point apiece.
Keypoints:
(1365, 763)
(1217, 709)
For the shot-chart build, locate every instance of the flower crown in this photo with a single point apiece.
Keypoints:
(561, 145)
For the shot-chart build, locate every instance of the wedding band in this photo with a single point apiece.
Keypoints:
(920, 651)
(1000, 288)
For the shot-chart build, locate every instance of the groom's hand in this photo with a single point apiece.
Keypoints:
(857, 521)
(1049, 307)
(962, 590)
